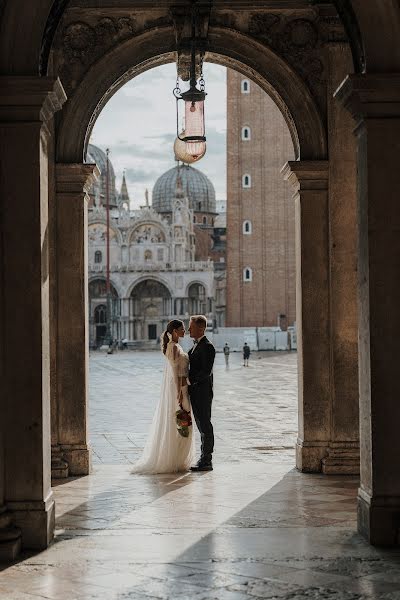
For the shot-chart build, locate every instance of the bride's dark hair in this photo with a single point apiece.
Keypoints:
(174, 324)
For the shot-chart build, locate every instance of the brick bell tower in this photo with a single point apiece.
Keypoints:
(260, 210)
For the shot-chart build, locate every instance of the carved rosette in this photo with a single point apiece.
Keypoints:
(80, 43)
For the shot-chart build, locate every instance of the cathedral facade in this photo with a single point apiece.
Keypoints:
(260, 274)
(160, 255)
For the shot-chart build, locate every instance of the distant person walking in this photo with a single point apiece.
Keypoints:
(226, 354)
(246, 354)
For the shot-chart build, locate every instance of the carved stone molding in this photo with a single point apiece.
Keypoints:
(297, 40)
(296, 37)
(81, 41)
(30, 98)
(73, 179)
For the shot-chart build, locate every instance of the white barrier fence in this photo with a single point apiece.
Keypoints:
(258, 338)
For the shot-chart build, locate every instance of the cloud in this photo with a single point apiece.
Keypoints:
(157, 152)
(138, 176)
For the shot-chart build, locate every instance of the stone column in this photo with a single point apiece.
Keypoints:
(10, 536)
(26, 105)
(310, 180)
(72, 184)
(374, 101)
(344, 449)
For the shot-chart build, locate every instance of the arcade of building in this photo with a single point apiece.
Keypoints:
(333, 69)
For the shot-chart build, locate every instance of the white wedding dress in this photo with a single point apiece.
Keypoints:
(166, 451)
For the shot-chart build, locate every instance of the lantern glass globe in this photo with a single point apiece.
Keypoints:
(186, 153)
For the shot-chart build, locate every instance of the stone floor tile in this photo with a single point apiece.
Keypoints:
(15, 594)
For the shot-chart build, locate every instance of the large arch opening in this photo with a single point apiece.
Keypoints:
(237, 51)
(142, 319)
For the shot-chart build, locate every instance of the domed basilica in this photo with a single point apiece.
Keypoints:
(161, 255)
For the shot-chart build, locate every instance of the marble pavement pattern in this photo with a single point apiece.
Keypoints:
(253, 528)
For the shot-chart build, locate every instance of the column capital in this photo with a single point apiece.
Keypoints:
(30, 98)
(75, 178)
(307, 174)
(375, 95)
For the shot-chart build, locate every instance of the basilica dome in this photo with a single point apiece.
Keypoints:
(195, 184)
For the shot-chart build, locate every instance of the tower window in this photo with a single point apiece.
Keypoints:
(247, 227)
(98, 257)
(204, 220)
(247, 274)
(246, 181)
(246, 134)
(245, 86)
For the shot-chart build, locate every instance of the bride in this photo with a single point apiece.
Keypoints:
(166, 451)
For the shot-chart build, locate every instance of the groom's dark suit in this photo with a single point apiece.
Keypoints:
(201, 358)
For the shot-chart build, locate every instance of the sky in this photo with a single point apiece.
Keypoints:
(138, 125)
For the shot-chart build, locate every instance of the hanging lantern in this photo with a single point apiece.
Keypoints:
(181, 152)
(194, 135)
(194, 128)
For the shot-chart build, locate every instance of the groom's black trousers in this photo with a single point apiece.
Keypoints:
(201, 395)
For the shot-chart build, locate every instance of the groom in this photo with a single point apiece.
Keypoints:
(201, 361)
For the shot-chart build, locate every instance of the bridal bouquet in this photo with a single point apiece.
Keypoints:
(183, 421)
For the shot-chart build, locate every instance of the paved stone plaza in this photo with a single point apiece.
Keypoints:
(254, 409)
(252, 529)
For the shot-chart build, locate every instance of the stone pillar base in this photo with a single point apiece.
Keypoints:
(379, 519)
(36, 519)
(59, 466)
(78, 457)
(10, 538)
(342, 459)
(309, 456)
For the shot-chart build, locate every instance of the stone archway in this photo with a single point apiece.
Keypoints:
(373, 99)
(302, 111)
(302, 104)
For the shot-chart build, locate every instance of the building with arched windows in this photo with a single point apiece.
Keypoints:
(161, 255)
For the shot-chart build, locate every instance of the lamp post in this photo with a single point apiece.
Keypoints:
(193, 135)
(108, 286)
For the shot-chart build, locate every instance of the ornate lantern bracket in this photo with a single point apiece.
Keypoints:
(191, 50)
(191, 22)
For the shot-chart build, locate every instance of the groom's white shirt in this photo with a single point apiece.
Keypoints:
(195, 344)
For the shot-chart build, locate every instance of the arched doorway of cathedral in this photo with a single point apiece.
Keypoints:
(98, 312)
(150, 309)
(199, 304)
